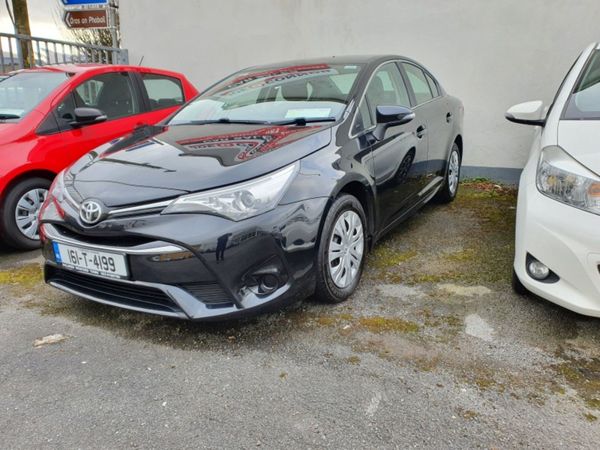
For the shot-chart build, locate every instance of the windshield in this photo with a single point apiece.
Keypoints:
(308, 92)
(22, 92)
(584, 102)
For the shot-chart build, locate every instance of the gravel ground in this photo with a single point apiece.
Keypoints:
(433, 351)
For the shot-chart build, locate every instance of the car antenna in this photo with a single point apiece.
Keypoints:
(141, 59)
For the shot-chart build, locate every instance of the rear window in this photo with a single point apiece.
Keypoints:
(163, 91)
(584, 102)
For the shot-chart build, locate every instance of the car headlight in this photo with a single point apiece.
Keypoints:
(562, 178)
(240, 201)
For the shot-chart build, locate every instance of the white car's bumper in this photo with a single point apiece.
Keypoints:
(565, 239)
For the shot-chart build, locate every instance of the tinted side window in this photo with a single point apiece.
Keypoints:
(112, 93)
(60, 118)
(387, 88)
(363, 120)
(418, 81)
(65, 112)
(163, 91)
(432, 85)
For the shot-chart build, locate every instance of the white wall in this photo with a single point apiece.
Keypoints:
(490, 53)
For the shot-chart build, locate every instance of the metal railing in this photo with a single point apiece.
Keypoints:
(18, 51)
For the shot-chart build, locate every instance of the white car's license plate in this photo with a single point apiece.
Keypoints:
(106, 264)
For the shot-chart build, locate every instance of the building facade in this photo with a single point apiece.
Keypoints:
(491, 54)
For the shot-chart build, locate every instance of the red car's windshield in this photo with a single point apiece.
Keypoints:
(21, 93)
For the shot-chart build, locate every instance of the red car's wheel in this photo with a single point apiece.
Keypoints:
(20, 211)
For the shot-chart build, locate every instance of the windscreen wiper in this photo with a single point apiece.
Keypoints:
(301, 121)
(225, 120)
(9, 116)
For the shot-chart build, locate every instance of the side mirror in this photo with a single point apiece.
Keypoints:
(391, 116)
(87, 116)
(529, 113)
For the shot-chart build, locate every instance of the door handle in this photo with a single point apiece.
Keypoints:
(449, 117)
(421, 131)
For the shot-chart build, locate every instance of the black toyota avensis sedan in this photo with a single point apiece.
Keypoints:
(270, 186)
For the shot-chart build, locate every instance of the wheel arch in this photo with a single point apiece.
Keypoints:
(458, 140)
(34, 173)
(362, 191)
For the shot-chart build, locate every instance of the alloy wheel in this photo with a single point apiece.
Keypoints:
(453, 172)
(27, 212)
(346, 249)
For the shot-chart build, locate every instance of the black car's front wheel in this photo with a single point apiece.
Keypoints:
(341, 250)
(20, 211)
(448, 192)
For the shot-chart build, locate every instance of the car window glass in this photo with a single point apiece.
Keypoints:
(344, 82)
(584, 102)
(432, 86)
(65, 112)
(163, 91)
(112, 93)
(387, 88)
(363, 119)
(272, 94)
(418, 81)
(22, 92)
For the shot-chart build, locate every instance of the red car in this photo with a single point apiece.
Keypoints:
(51, 116)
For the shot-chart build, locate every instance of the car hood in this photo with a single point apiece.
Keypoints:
(6, 131)
(581, 140)
(157, 163)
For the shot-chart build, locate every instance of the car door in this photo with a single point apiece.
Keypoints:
(435, 111)
(400, 158)
(114, 93)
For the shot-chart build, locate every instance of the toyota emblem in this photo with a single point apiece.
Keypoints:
(91, 212)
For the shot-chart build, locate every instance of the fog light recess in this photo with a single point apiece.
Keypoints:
(539, 271)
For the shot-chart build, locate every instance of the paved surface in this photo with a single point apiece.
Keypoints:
(434, 350)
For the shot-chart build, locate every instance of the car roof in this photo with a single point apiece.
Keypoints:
(87, 67)
(349, 59)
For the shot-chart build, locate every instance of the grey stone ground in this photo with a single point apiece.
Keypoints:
(433, 351)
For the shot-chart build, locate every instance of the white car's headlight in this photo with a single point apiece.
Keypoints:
(562, 178)
(240, 201)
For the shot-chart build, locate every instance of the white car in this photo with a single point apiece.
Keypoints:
(557, 248)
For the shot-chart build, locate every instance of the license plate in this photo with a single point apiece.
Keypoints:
(105, 264)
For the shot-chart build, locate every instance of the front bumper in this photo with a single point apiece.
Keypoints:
(567, 241)
(193, 266)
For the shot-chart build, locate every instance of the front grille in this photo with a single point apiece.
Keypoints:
(211, 294)
(113, 240)
(114, 291)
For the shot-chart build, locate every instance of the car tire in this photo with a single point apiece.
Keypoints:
(517, 286)
(11, 234)
(449, 190)
(345, 212)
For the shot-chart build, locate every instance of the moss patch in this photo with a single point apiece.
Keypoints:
(477, 228)
(583, 375)
(384, 257)
(27, 275)
(381, 324)
(355, 360)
